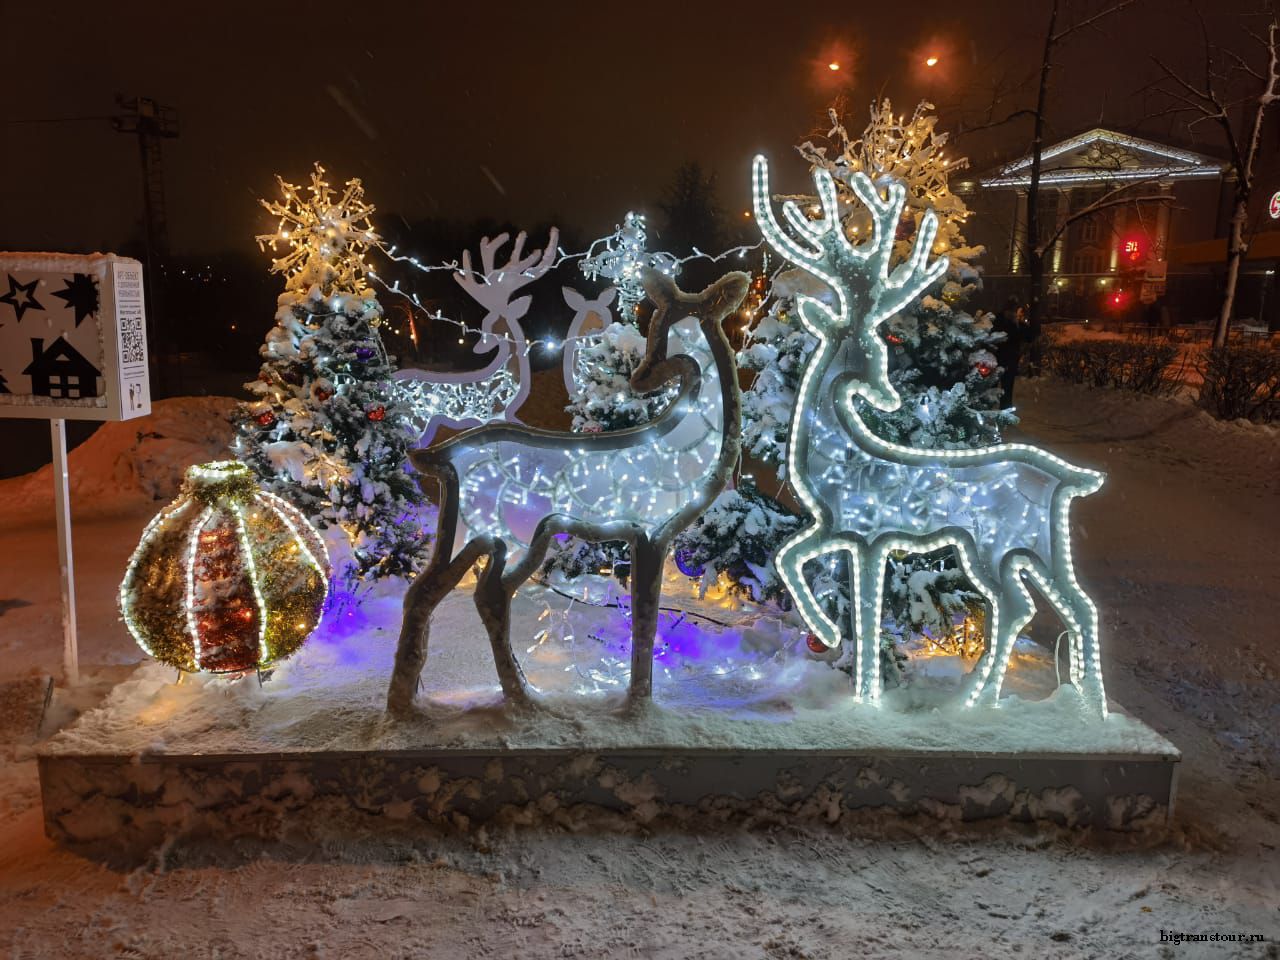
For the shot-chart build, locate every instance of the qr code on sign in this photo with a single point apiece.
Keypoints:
(132, 341)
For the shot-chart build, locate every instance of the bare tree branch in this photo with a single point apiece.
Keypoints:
(1089, 21)
(1026, 112)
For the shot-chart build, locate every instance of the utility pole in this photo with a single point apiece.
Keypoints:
(151, 122)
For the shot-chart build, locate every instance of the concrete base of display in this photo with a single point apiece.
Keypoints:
(114, 805)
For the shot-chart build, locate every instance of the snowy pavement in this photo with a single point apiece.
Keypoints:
(1178, 549)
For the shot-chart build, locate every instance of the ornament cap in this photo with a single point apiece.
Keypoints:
(221, 479)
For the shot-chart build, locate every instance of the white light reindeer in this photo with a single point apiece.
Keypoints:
(1004, 507)
(508, 489)
(496, 390)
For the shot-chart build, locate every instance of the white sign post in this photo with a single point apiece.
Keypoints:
(73, 346)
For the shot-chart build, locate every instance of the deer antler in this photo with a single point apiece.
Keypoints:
(859, 276)
(493, 286)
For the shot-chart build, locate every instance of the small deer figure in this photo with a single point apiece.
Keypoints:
(507, 489)
(474, 396)
(589, 316)
(1004, 507)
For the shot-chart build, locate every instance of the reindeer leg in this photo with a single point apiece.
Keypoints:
(1011, 608)
(791, 569)
(867, 581)
(420, 601)
(646, 596)
(1085, 659)
(493, 601)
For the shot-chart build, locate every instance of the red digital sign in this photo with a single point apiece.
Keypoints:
(1133, 249)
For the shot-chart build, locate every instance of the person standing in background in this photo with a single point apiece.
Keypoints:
(1010, 322)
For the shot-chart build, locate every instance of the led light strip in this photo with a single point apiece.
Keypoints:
(264, 655)
(193, 545)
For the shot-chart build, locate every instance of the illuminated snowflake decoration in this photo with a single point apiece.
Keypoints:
(326, 234)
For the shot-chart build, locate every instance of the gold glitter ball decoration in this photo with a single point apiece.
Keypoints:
(226, 579)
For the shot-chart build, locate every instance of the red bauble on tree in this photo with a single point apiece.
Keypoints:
(266, 418)
(985, 369)
(377, 413)
(815, 644)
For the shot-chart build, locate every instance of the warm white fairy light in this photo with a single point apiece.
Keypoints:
(193, 545)
(315, 224)
(246, 550)
(1004, 508)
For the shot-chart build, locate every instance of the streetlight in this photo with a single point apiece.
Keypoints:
(931, 62)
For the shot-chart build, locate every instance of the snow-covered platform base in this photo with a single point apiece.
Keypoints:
(124, 805)
(743, 726)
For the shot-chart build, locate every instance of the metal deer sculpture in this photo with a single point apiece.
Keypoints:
(1004, 507)
(507, 489)
(496, 390)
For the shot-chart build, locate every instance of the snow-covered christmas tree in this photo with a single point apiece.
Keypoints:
(328, 429)
(602, 398)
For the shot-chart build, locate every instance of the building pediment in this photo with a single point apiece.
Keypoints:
(1101, 156)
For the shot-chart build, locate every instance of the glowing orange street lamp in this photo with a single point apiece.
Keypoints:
(833, 66)
(931, 62)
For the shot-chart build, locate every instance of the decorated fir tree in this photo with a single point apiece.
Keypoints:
(602, 398)
(327, 429)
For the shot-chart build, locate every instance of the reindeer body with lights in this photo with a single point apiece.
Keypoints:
(508, 489)
(1004, 507)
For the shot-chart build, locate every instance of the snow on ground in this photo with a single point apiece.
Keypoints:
(1178, 549)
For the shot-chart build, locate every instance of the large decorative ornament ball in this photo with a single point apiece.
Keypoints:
(364, 353)
(266, 418)
(377, 414)
(226, 579)
(814, 643)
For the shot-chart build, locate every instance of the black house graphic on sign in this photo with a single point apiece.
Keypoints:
(60, 371)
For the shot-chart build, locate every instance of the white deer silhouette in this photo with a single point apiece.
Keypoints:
(475, 396)
(589, 317)
(1004, 507)
(507, 489)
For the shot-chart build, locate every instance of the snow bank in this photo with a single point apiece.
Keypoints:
(132, 462)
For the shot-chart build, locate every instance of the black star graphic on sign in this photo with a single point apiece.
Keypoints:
(81, 294)
(28, 291)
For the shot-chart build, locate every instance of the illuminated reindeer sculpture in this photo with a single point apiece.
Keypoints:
(1004, 507)
(508, 489)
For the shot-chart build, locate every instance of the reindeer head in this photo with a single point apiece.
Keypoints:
(866, 292)
(494, 285)
(709, 308)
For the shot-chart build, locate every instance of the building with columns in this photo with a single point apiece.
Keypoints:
(1111, 208)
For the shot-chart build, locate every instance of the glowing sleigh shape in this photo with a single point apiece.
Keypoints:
(1005, 508)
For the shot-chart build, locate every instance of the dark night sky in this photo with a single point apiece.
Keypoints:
(575, 110)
